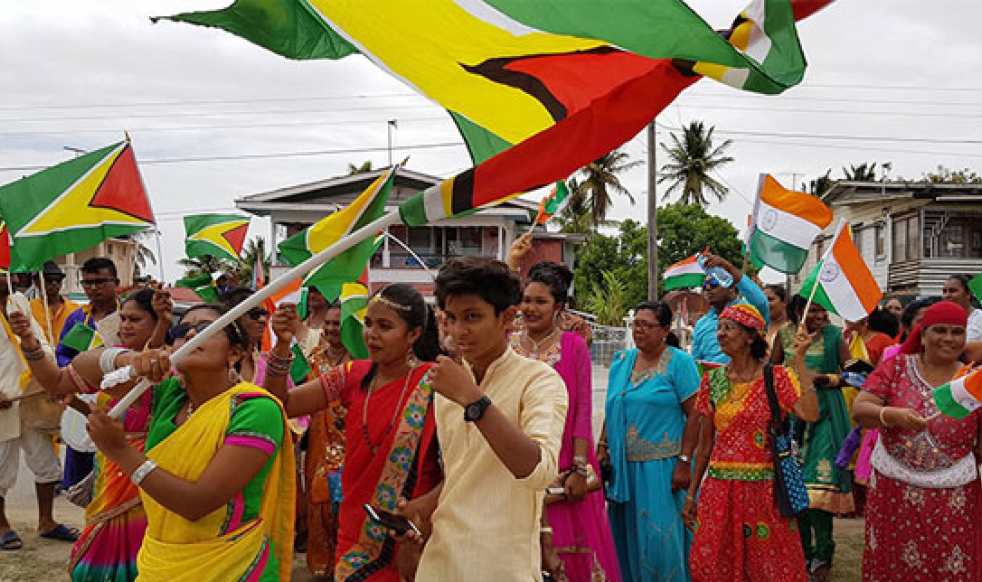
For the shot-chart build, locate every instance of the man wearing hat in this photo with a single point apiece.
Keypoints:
(59, 308)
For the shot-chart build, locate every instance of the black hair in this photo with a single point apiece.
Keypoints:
(962, 280)
(758, 345)
(416, 313)
(489, 279)
(234, 296)
(144, 300)
(237, 336)
(795, 308)
(96, 264)
(780, 291)
(557, 277)
(663, 315)
(910, 312)
(882, 321)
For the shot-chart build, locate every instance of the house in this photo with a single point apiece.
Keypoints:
(407, 254)
(912, 235)
(121, 251)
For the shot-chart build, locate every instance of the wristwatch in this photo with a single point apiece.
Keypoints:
(685, 458)
(475, 410)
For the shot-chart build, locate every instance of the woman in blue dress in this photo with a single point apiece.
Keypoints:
(649, 436)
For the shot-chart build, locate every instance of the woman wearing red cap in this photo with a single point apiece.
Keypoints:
(740, 533)
(924, 498)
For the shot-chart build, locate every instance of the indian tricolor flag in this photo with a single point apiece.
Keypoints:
(783, 226)
(684, 274)
(845, 285)
(961, 396)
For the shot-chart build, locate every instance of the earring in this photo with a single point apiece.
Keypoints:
(411, 360)
(233, 374)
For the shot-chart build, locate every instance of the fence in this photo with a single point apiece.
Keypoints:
(608, 340)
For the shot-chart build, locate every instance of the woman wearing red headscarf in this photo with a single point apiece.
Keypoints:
(924, 498)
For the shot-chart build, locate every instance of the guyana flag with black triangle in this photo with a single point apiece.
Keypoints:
(218, 235)
(75, 205)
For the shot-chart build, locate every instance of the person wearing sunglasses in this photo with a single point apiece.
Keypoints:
(216, 477)
(705, 346)
(115, 519)
(254, 322)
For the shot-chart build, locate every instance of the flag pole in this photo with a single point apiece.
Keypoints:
(818, 274)
(411, 252)
(47, 310)
(257, 298)
(160, 254)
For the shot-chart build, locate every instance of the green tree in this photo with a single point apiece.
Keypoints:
(864, 172)
(365, 166)
(600, 179)
(821, 184)
(576, 214)
(205, 264)
(685, 229)
(693, 158)
(947, 176)
(254, 247)
(608, 300)
(623, 255)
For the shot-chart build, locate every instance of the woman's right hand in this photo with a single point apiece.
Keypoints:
(689, 512)
(551, 562)
(20, 324)
(154, 365)
(285, 323)
(163, 306)
(903, 418)
(519, 250)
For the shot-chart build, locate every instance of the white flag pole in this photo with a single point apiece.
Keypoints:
(821, 264)
(282, 281)
(47, 308)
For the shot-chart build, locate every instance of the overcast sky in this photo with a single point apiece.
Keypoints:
(888, 80)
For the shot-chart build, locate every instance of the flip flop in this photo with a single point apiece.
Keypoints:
(62, 533)
(10, 541)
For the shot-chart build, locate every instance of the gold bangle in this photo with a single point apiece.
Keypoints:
(545, 530)
(883, 421)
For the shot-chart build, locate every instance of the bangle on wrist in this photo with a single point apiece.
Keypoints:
(545, 530)
(685, 459)
(883, 420)
(142, 471)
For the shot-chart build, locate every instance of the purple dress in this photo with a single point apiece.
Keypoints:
(581, 531)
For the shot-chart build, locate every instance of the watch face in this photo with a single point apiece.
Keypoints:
(472, 411)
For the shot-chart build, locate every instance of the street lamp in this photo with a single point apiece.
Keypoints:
(78, 151)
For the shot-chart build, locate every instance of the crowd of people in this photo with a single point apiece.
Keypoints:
(463, 446)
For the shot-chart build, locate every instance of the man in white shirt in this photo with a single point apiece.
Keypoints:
(500, 419)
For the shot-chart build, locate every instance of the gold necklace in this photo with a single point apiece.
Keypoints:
(539, 344)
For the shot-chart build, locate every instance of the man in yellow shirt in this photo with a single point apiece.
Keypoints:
(500, 420)
(58, 307)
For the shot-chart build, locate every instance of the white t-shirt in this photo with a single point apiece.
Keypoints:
(973, 332)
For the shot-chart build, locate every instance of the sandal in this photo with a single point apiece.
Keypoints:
(62, 533)
(10, 541)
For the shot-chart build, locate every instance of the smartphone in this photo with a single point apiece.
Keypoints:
(397, 523)
(555, 491)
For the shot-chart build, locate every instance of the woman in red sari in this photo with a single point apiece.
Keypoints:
(391, 450)
(924, 496)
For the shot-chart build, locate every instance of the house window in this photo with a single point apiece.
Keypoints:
(913, 238)
(899, 240)
(881, 240)
(857, 238)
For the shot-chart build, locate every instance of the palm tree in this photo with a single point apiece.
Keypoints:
(142, 253)
(693, 158)
(365, 166)
(864, 172)
(197, 266)
(576, 215)
(821, 184)
(608, 300)
(600, 179)
(255, 247)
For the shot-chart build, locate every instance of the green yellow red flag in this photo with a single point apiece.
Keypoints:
(218, 235)
(75, 205)
(354, 304)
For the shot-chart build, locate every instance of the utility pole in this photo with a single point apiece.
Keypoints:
(388, 128)
(652, 215)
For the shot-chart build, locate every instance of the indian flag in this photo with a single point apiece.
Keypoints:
(845, 284)
(553, 203)
(784, 225)
(961, 396)
(684, 274)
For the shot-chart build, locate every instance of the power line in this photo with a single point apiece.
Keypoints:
(264, 156)
(783, 98)
(211, 101)
(832, 111)
(837, 137)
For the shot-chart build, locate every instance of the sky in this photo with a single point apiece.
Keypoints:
(213, 117)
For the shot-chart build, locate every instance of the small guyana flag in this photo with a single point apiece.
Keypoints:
(81, 338)
(552, 204)
(301, 367)
(75, 205)
(349, 265)
(784, 225)
(354, 304)
(961, 396)
(203, 285)
(218, 235)
(684, 274)
(845, 284)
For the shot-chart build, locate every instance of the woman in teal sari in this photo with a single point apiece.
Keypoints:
(649, 435)
(829, 488)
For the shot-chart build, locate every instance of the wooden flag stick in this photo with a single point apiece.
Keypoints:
(47, 309)
(27, 395)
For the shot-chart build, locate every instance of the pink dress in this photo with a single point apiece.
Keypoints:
(581, 532)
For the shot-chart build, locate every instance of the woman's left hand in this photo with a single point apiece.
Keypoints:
(163, 306)
(106, 433)
(575, 487)
(689, 512)
(286, 322)
(681, 476)
(802, 341)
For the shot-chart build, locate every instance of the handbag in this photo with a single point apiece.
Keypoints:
(790, 494)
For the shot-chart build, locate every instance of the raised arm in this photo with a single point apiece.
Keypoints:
(163, 307)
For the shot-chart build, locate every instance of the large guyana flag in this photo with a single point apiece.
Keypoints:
(784, 225)
(218, 235)
(349, 265)
(845, 284)
(75, 205)
(561, 83)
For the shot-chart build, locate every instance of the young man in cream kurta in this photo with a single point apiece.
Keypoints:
(500, 459)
